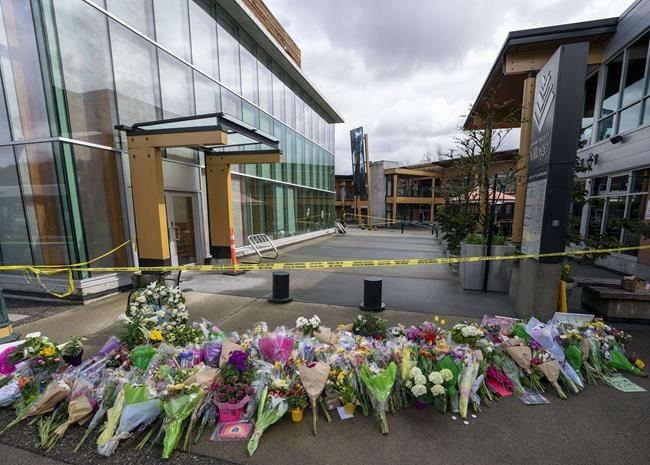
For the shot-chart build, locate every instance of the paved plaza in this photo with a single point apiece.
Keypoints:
(578, 430)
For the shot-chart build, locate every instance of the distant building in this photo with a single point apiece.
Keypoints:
(615, 129)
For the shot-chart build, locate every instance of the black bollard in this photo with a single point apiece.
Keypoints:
(280, 293)
(372, 295)
(6, 331)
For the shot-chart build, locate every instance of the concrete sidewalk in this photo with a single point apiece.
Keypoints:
(598, 426)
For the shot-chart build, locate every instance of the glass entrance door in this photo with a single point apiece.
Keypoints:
(181, 215)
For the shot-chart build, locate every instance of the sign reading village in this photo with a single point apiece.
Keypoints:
(557, 111)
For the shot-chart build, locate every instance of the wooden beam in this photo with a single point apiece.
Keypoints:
(235, 158)
(219, 184)
(521, 173)
(534, 60)
(149, 206)
(179, 139)
(409, 172)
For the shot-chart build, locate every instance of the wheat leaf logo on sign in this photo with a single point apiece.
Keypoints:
(544, 100)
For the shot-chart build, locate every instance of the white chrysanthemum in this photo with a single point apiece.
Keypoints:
(409, 383)
(415, 371)
(419, 379)
(141, 299)
(446, 374)
(437, 390)
(314, 322)
(301, 321)
(33, 335)
(418, 390)
(435, 377)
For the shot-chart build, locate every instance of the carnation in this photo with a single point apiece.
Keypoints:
(419, 379)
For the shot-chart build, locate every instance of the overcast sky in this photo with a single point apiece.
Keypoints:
(407, 70)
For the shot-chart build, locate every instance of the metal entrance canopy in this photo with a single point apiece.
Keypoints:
(238, 134)
(225, 140)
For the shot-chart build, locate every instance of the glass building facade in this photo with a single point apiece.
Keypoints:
(71, 70)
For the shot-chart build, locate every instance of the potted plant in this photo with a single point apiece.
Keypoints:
(471, 273)
(233, 386)
(297, 401)
(73, 351)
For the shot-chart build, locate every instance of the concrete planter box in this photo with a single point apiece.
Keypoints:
(471, 274)
(453, 266)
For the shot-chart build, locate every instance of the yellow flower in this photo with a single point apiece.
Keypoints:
(442, 322)
(156, 335)
(436, 318)
(640, 364)
(277, 365)
(48, 352)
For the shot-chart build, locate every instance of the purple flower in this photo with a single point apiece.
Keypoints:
(239, 359)
(413, 333)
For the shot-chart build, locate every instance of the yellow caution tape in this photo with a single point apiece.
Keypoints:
(47, 270)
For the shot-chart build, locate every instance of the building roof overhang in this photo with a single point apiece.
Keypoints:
(523, 54)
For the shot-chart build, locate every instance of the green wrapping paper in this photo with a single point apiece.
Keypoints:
(380, 386)
(141, 356)
(573, 355)
(266, 416)
(519, 330)
(177, 410)
(451, 385)
(620, 362)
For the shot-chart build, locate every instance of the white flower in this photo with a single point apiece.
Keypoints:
(148, 292)
(141, 299)
(314, 322)
(418, 390)
(436, 377)
(469, 331)
(419, 379)
(446, 373)
(409, 383)
(301, 322)
(437, 390)
(33, 335)
(415, 371)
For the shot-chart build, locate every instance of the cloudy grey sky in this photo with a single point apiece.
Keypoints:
(407, 70)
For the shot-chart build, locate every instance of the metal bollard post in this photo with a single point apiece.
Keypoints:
(372, 295)
(280, 291)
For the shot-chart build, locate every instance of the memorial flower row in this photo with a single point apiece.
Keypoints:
(164, 380)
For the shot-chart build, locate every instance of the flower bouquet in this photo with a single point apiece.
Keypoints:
(308, 326)
(140, 407)
(314, 378)
(370, 326)
(270, 409)
(177, 409)
(379, 386)
(464, 333)
(276, 347)
(447, 365)
(466, 382)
